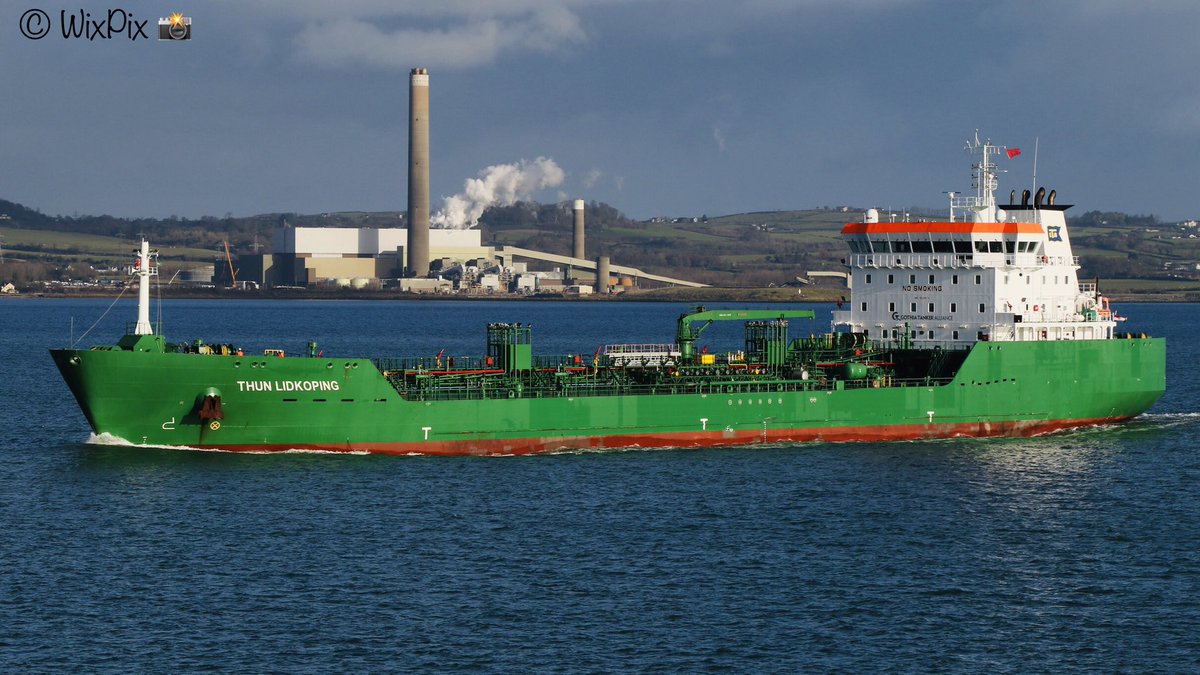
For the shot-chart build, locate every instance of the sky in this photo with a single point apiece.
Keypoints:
(656, 107)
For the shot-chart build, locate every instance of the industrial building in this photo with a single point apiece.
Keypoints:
(420, 258)
(303, 256)
(369, 257)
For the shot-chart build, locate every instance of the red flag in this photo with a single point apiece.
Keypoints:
(1013, 152)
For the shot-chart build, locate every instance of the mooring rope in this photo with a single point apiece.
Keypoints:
(114, 302)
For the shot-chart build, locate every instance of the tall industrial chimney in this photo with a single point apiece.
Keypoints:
(603, 267)
(418, 173)
(577, 250)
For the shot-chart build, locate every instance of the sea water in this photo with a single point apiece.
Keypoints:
(1077, 551)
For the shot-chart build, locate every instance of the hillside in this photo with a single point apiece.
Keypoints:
(1132, 254)
(744, 250)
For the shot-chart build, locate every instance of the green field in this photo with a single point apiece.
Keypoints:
(51, 245)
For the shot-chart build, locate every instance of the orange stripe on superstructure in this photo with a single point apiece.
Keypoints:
(942, 228)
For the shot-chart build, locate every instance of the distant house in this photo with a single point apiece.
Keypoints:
(8, 289)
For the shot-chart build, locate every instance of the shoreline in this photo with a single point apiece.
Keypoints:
(711, 294)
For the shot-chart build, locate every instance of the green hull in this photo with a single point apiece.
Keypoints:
(274, 404)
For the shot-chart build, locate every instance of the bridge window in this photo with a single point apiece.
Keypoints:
(922, 247)
(962, 246)
(943, 246)
(902, 247)
(1010, 246)
(981, 247)
(996, 246)
(880, 245)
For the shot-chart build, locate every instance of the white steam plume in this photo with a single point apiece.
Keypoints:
(500, 184)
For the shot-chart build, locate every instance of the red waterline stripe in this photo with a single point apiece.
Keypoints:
(698, 439)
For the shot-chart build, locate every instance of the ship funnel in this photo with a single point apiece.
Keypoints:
(1050, 198)
(1025, 199)
(1037, 199)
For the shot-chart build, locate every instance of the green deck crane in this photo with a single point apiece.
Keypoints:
(686, 335)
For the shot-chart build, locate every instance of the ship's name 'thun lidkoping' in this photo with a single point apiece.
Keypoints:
(287, 385)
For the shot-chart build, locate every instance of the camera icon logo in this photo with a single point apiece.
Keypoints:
(175, 27)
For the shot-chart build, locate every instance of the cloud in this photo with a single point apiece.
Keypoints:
(472, 39)
(591, 178)
(462, 34)
(719, 138)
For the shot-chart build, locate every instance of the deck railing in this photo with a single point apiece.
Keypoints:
(958, 260)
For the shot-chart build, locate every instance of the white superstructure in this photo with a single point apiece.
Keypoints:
(990, 272)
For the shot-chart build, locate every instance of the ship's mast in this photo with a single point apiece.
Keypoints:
(983, 179)
(144, 267)
(984, 172)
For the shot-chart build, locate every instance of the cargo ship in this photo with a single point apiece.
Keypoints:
(972, 326)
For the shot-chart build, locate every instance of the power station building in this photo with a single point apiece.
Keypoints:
(310, 256)
(303, 256)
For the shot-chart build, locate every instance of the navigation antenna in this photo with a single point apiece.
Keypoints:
(983, 177)
(983, 173)
(1036, 139)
